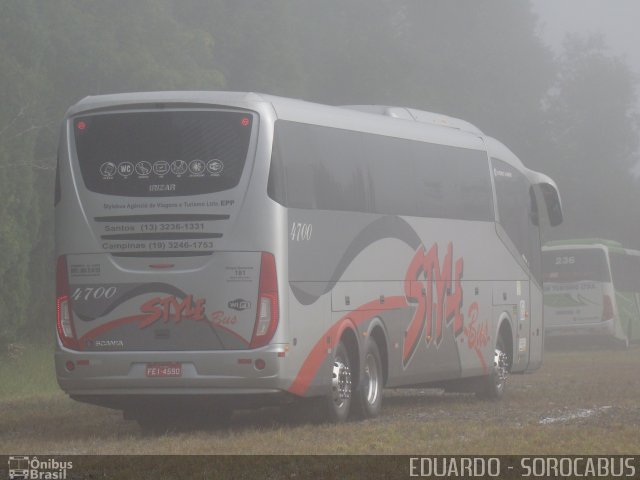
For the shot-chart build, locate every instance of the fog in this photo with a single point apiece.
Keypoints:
(554, 80)
(614, 21)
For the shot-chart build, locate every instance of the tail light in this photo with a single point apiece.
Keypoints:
(267, 313)
(64, 317)
(607, 308)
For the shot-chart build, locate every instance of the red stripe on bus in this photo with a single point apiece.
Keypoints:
(319, 352)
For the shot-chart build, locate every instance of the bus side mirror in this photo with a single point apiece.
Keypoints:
(550, 195)
(554, 204)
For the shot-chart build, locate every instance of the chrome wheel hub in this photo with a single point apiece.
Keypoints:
(371, 379)
(340, 382)
(501, 367)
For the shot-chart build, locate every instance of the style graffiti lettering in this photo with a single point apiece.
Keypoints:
(477, 333)
(170, 308)
(219, 318)
(437, 291)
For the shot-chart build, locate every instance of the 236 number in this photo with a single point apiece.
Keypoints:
(565, 260)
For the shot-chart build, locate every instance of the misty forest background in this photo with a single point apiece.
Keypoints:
(571, 115)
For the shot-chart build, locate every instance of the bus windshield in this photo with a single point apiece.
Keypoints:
(575, 265)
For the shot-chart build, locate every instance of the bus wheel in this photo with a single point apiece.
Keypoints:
(493, 385)
(339, 399)
(368, 397)
(623, 343)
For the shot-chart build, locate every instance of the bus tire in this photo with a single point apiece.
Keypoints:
(492, 386)
(338, 402)
(368, 396)
(623, 343)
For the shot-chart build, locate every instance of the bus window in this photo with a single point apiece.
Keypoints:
(535, 243)
(337, 170)
(324, 168)
(321, 168)
(276, 187)
(392, 177)
(515, 209)
(290, 180)
(452, 182)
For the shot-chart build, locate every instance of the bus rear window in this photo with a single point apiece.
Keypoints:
(565, 266)
(162, 153)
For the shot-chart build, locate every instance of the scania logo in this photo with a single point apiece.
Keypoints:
(239, 304)
(109, 343)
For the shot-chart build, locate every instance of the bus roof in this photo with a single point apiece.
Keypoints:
(420, 116)
(611, 245)
(397, 122)
(583, 241)
(400, 124)
(494, 147)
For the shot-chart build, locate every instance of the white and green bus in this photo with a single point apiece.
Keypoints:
(591, 288)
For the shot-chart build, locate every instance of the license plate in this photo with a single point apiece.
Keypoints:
(163, 370)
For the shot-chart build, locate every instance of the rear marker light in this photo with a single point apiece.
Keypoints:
(260, 364)
(267, 314)
(70, 366)
(82, 125)
(64, 316)
(264, 317)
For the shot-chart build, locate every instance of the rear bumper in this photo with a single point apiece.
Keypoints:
(599, 329)
(203, 372)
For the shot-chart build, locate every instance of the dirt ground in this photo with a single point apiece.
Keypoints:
(579, 402)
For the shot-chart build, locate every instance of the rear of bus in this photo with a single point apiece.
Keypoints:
(579, 297)
(167, 277)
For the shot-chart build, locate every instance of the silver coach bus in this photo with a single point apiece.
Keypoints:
(220, 249)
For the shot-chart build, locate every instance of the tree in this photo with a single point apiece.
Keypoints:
(21, 121)
(52, 54)
(593, 132)
(571, 117)
(481, 61)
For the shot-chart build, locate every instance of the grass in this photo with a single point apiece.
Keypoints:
(28, 372)
(35, 417)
